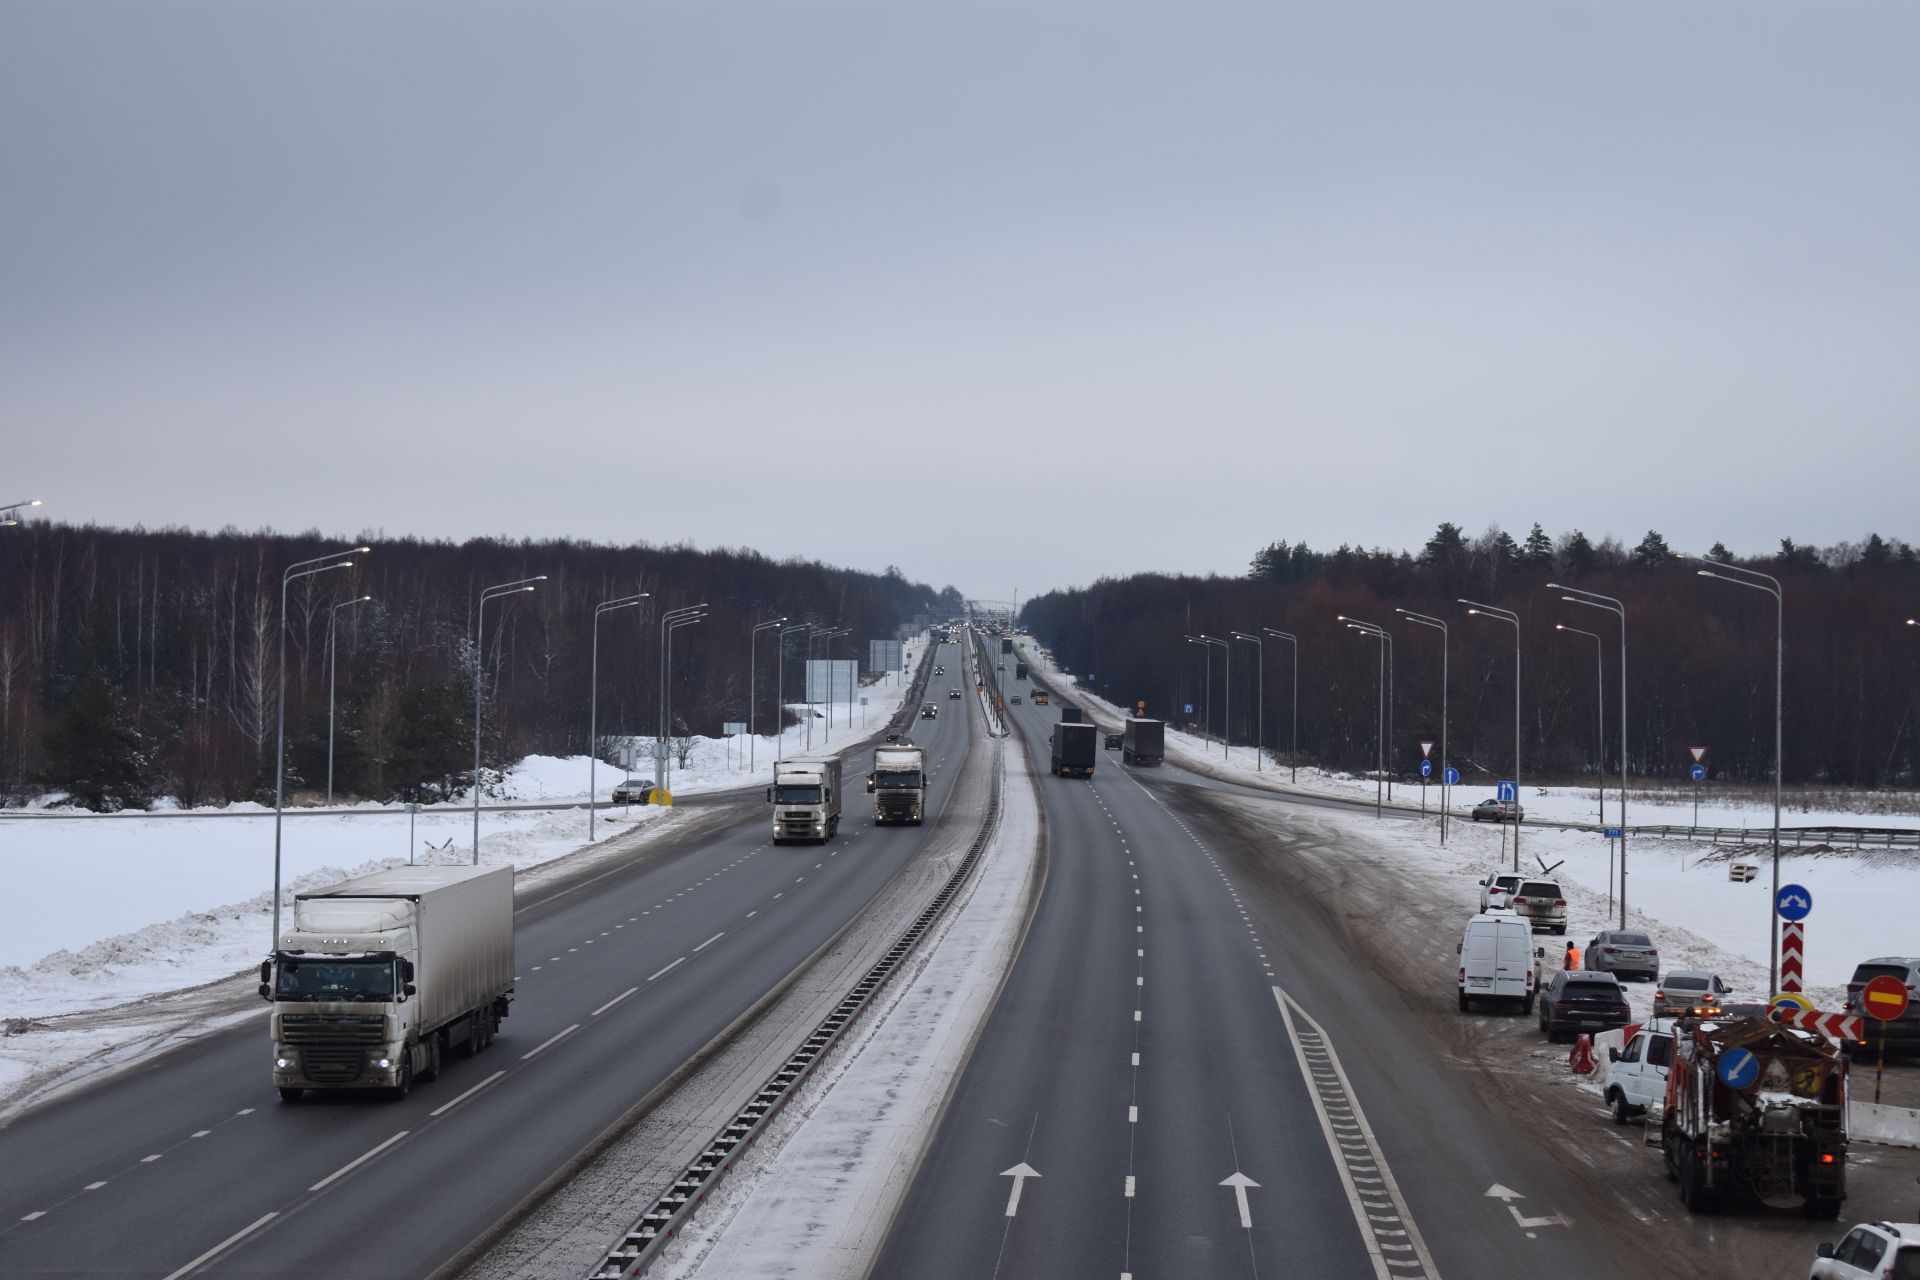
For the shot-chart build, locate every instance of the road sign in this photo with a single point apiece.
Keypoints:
(1884, 998)
(1739, 1068)
(1794, 902)
(1793, 956)
(1699, 754)
(1699, 773)
(1835, 1026)
(1189, 708)
(731, 727)
(1426, 768)
(1611, 833)
(863, 702)
(1426, 748)
(1507, 792)
(660, 796)
(1451, 777)
(1791, 1000)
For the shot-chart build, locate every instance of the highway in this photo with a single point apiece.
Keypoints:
(189, 1164)
(1206, 1079)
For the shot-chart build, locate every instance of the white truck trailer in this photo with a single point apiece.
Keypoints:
(805, 796)
(384, 974)
(899, 784)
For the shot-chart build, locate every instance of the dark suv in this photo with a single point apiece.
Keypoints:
(1903, 1033)
(1580, 1001)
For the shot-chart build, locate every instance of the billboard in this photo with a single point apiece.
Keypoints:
(832, 679)
(884, 655)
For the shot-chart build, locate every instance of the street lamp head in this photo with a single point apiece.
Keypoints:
(1559, 626)
(1472, 611)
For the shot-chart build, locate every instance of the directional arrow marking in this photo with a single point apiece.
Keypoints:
(1498, 1192)
(1240, 1182)
(1507, 1196)
(1019, 1173)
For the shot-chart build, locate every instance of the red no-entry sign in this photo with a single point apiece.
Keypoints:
(1884, 998)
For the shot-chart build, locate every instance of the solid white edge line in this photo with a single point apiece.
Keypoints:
(233, 1239)
(549, 1043)
(710, 941)
(669, 969)
(1361, 1220)
(357, 1161)
(448, 1106)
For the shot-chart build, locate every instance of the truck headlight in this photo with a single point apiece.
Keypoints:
(383, 1063)
(283, 1063)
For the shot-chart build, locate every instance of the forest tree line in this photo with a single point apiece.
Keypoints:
(1700, 655)
(136, 664)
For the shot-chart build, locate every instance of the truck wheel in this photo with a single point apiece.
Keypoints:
(435, 1043)
(400, 1091)
(292, 1095)
(475, 1021)
(1526, 1006)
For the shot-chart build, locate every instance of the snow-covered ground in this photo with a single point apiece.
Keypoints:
(1677, 891)
(101, 910)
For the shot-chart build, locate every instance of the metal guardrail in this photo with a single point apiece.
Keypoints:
(1853, 837)
(656, 1226)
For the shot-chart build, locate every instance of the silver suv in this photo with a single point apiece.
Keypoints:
(1496, 891)
(1541, 904)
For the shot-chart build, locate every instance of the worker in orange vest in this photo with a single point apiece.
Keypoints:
(1572, 960)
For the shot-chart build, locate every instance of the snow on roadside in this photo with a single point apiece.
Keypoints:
(815, 1199)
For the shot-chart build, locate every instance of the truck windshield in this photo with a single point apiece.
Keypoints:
(796, 795)
(903, 778)
(335, 978)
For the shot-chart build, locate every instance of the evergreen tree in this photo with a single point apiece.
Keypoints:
(1537, 551)
(1652, 552)
(1875, 553)
(1577, 554)
(95, 752)
(1447, 547)
(1795, 556)
(1719, 554)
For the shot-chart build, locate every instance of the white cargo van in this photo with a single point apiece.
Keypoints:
(1497, 960)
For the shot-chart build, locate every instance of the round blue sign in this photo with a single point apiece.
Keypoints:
(1794, 902)
(1699, 773)
(1452, 776)
(1426, 768)
(1738, 1068)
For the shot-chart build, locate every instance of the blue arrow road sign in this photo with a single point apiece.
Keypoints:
(1699, 773)
(1426, 768)
(1794, 902)
(1611, 833)
(1738, 1068)
(1452, 776)
(1508, 792)
(1189, 708)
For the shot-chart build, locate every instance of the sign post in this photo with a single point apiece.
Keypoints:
(1699, 775)
(1426, 771)
(1794, 904)
(1884, 999)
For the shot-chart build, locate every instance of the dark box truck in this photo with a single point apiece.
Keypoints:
(1069, 715)
(1143, 742)
(1074, 750)
(1019, 671)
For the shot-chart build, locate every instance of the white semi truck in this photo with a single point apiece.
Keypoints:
(806, 799)
(381, 976)
(899, 784)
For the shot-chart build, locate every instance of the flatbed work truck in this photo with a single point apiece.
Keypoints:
(382, 975)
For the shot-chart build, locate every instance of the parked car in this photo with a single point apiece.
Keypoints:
(1880, 1249)
(1541, 904)
(1580, 1001)
(632, 791)
(1689, 991)
(1903, 1033)
(1499, 811)
(1623, 953)
(1497, 960)
(1636, 1075)
(1496, 890)
(1111, 741)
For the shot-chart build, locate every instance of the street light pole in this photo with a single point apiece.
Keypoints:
(1446, 638)
(332, 650)
(298, 569)
(1259, 696)
(1509, 616)
(1607, 604)
(1210, 642)
(1770, 585)
(753, 670)
(10, 512)
(479, 682)
(780, 693)
(670, 622)
(835, 634)
(593, 703)
(1599, 714)
(1386, 642)
(1293, 741)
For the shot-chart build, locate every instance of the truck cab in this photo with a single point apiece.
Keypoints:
(805, 796)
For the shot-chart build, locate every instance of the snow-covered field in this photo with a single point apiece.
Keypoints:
(100, 910)
(1677, 891)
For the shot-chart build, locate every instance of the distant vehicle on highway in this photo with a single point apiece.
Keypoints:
(1689, 991)
(1496, 891)
(1111, 741)
(928, 711)
(1889, 1249)
(1015, 699)
(1623, 952)
(1143, 741)
(806, 798)
(1579, 1001)
(632, 791)
(1499, 811)
(953, 693)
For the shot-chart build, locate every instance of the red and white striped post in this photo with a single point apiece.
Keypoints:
(1793, 948)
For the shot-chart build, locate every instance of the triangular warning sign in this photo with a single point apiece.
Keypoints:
(1699, 753)
(1426, 748)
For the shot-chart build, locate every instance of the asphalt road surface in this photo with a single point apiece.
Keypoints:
(189, 1164)
(1206, 1080)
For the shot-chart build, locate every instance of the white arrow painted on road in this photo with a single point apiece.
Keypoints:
(1507, 1196)
(1240, 1182)
(1019, 1173)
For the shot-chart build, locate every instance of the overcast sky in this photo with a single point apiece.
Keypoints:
(1012, 295)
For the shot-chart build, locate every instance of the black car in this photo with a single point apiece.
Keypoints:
(1112, 741)
(1578, 1001)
